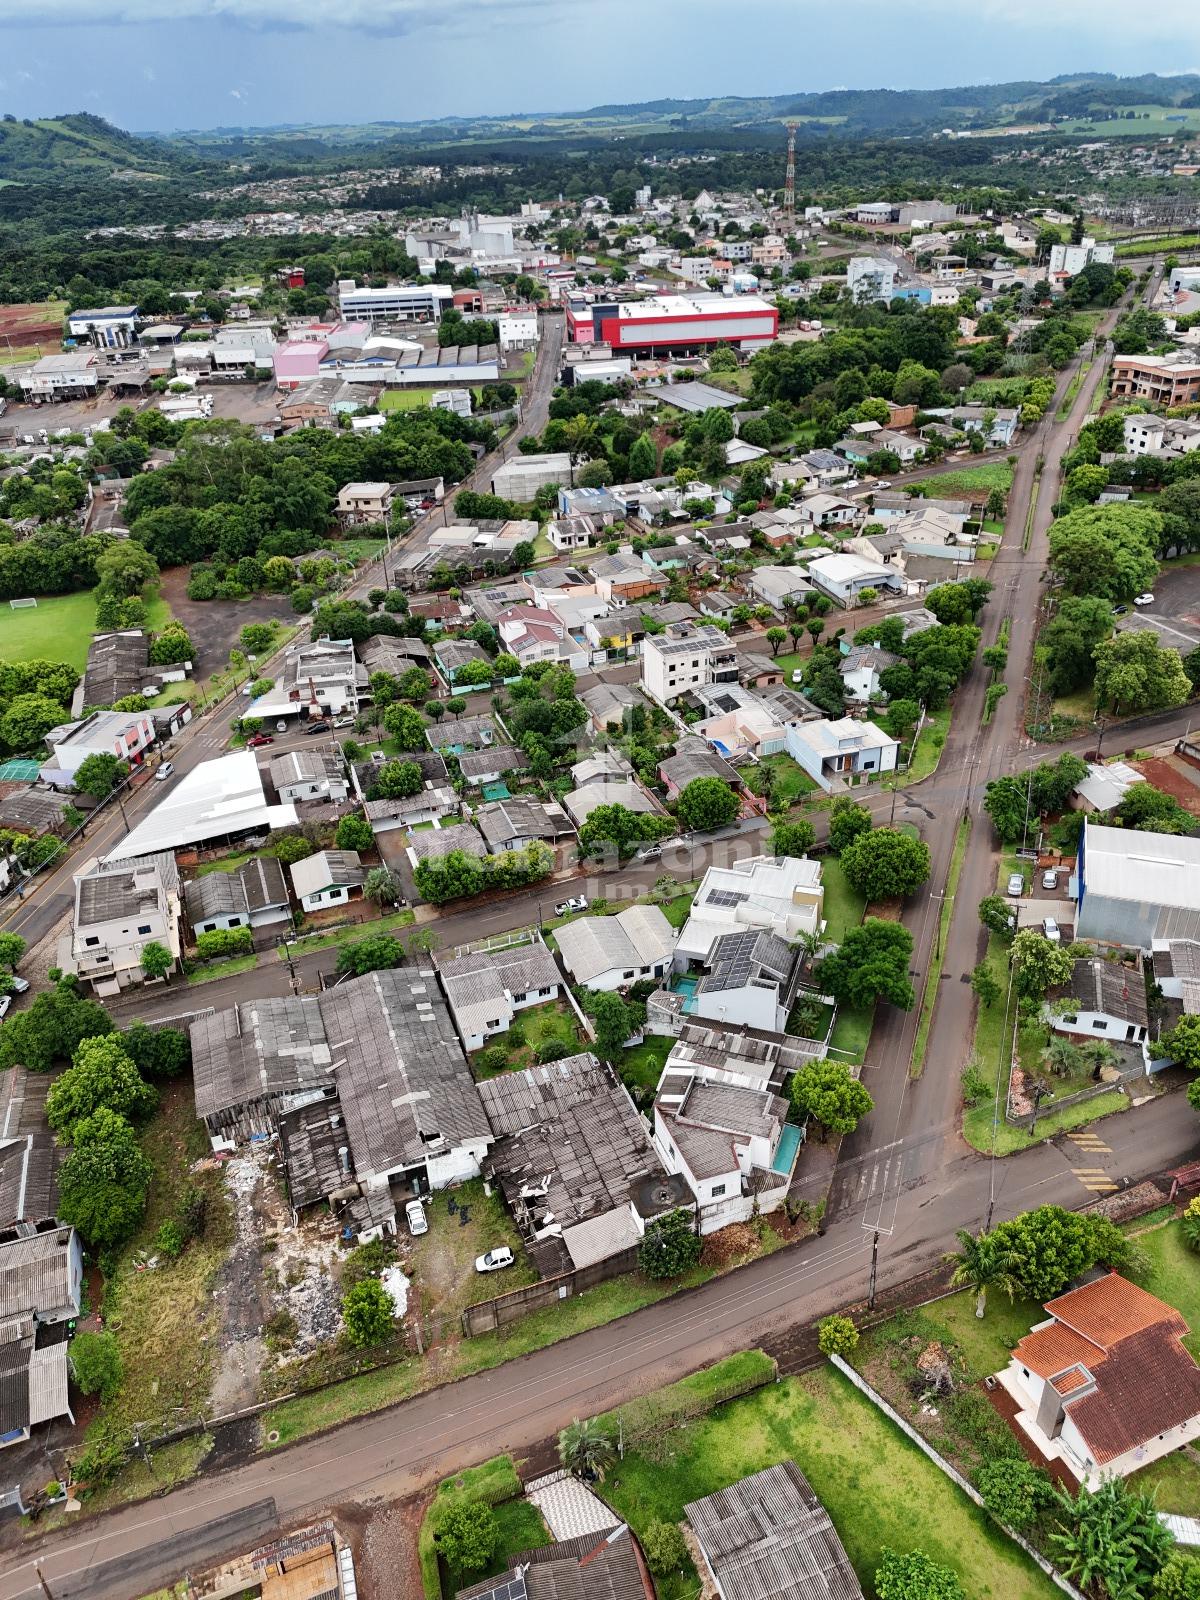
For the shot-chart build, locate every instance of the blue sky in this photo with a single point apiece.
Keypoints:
(163, 64)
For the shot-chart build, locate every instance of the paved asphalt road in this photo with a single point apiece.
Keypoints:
(907, 1174)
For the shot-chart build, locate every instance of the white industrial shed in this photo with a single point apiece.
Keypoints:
(216, 800)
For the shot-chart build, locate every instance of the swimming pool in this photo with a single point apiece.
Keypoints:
(789, 1143)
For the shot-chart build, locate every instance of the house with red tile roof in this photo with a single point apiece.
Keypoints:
(1105, 1385)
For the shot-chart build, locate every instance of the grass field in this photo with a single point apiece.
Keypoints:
(945, 915)
(538, 1025)
(59, 628)
(642, 1066)
(403, 399)
(930, 741)
(879, 1490)
(971, 480)
(844, 906)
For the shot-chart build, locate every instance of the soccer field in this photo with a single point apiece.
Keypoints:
(403, 399)
(58, 628)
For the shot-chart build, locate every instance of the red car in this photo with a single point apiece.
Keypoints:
(258, 739)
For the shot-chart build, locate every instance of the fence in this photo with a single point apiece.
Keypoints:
(489, 1315)
(926, 1449)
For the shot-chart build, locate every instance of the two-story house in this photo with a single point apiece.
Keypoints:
(124, 734)
(369, 504)
(120, 908)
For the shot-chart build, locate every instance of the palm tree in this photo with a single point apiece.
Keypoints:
(980, 1265)
(585, 1449)
(810, 944)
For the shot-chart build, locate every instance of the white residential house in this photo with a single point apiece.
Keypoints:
(486, 989)
(120, 908)
(827, 511)
(329, 878)
(844, 577)
(839, 750)
(728, 1138)
(318, 679)
(1105, 1385)
(778, 894)
(860, 671)
(310, 775)
(607, 953)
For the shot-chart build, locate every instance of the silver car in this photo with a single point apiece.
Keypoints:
(1016, 884)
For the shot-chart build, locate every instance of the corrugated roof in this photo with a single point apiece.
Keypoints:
(768, 1537)
(1145, 868)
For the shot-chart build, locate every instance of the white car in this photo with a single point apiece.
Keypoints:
(1144, 600)
(1052, 931)
(1016, 884)
(494, 1260)
(414, 1215)
(1050, 879)
(344, 722)
(576, 903)
(5, 1002)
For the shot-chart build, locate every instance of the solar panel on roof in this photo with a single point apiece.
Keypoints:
(724, 897)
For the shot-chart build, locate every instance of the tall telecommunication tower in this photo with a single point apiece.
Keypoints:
(789, 182)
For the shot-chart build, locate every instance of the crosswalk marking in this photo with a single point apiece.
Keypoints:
(1091, 1143)
(1095, 1179)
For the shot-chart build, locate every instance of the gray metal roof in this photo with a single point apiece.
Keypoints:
(216, 894)
(768, 1537)
(694, 759)
(568, 1124)
(637, 937)
(496, 758)
(35, 1273)
(1147, 868)
(436, 842)
(328, 869)
(478, 985)
(124, 888)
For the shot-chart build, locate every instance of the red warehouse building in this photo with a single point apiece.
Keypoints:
(673, 324)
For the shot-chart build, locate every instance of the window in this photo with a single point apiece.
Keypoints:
(627, 974)
(1098, 1026)
(208, 927)
(144, 928)
(717, 1189)
(91, 941)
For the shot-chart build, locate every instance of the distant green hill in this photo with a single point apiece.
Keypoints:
(79, 144)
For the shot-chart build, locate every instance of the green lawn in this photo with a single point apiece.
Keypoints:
(790, 782)
(403, 399)
(844, 906)
(945, 914)
(224, 864)
(878, 1488)
(1173, 1273)
(306, 943)
(967, 480)
(929, 745)
(520, 1524)
(359, 549)
(642, 1066)
(223, 969)
(852, 1032)
(59, 628)
(1175, 1482)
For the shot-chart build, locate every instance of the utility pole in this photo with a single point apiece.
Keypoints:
(1038, 1092)
(874, 1269)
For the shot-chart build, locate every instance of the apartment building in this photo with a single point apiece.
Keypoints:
(398, 302)
(686, 655)
(1170, 380)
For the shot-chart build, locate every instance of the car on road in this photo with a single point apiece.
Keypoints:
(1016, 883)
(414, 1215)
(1146, 599)
(883, 483)
(576, 903)
(343, 722)
(317, 727)
(652, 852)
(1052, 931)
(166, 769)
(494, 1260)
(257, 740)
(1050, 878)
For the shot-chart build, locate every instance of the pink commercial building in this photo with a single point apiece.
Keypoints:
(299, 361)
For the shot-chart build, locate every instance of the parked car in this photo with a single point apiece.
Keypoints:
(257, 740)
(798, 675)
(501, 1256)
(281, 727)
(1146, 599)
(166, 769)
(6, 1001)
(1016, 883)
(1050, 879)
(1119, 611)
(343, 722)
(19, 985)
(652, 852)
(414, 1215)
(1052, 931)
(576, 903)
(317, 727)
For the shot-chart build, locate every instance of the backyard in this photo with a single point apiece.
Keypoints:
(879, 1490)
(444, 1276)
(532, 1031)
(519, 1524)
(641, 1067)
(788, 783)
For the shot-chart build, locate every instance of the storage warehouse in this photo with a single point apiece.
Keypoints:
(674, 323)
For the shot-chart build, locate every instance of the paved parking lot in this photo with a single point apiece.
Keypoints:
(1175, 615)
(244, 402)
